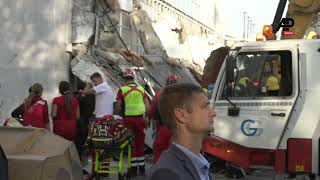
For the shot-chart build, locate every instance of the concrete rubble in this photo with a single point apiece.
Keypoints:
(109, 56)
(149, 38)
(111, 65)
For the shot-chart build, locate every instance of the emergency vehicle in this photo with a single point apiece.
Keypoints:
(261, 127)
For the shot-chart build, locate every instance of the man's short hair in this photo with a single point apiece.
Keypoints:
(174, 96)
(95, 75)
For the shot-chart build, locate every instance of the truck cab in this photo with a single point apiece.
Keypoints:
(267, 99)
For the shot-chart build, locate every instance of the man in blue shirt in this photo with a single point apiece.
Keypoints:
(187, 113)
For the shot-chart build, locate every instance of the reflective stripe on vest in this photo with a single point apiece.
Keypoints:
(133, 99)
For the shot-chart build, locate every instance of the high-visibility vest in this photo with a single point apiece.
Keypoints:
(244, 81)
(133, 99)
(272, 83)
(34, 115)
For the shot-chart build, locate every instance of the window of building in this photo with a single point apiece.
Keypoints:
(124, 26)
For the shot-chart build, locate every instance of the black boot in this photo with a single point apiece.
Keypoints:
(133, 171)
(142, 170)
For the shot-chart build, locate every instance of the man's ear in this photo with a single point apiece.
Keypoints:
(180, 114)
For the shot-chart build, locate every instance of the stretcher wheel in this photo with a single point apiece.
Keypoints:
(128, 176)
(125, 176)
(121, 177)
(97, 176)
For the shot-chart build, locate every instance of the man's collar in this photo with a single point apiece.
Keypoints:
(185, 160)
(197, 159)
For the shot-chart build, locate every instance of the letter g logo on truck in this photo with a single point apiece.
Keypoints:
(246, 129)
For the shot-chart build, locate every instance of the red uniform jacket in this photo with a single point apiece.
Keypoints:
(36, 115)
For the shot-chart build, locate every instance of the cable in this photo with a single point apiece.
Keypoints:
(124, 44)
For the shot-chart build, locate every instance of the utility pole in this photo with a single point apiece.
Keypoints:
(244, 24)
(253, 30)
(248, 25)
(251, 27)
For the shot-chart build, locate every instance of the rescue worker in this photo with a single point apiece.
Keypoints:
(65, 113)
(244, 84)
(163, 138)
(132, 99)
(272, 85)
(312, 35)
(103, 102)
(103, 95)
(35, 111)
(273, 80)
(86, 107)
(18, 112)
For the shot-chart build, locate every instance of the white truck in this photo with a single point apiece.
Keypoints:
(267, 99)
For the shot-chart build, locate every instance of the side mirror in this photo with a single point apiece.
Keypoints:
(233, 111)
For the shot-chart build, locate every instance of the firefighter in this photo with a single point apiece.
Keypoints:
(163, 137)
(132, 101)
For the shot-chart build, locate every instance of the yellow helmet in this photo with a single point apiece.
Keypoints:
(244, 81)
(311, 35)
(272, 83)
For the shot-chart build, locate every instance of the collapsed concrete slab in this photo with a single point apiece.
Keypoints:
(149, 38)
(110, 65)
(83, 66)
(110, 56)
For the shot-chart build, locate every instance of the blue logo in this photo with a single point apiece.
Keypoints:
(246, 129)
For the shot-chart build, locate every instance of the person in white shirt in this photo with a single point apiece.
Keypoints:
(103, 94)
(103, 100)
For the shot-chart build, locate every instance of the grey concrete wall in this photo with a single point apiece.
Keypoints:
(33, 36)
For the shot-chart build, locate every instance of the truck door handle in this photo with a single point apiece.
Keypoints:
(278, 114)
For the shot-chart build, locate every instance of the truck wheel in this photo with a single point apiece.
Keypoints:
(312, 176)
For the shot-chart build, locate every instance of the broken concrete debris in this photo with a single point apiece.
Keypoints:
(83, 67)
(110, 56)
(130, 56)
(149, 38)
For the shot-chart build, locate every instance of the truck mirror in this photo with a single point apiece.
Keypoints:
(233, 111)
(230, 69)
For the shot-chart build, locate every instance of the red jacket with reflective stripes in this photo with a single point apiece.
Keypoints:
(36, 115)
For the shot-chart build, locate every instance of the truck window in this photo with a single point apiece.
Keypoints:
(260, 75)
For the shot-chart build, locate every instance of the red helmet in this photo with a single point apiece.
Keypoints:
(128, 73)
(173, 78)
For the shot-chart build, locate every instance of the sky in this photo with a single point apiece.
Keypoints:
(231, 15)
